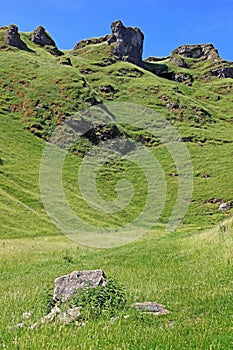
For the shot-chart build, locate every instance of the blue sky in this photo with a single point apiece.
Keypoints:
(166, 24)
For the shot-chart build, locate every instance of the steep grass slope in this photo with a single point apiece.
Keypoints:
(39, 92)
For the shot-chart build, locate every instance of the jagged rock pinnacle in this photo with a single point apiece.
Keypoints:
(41, 37)
(13, 38)
(127, 43)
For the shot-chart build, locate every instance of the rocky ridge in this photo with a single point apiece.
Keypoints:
(39, 37)
(126, 44)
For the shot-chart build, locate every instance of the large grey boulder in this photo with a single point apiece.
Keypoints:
(68, 285)
(127, 43)
(13, 38)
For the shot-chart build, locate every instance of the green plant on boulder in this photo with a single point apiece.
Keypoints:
(94, 302)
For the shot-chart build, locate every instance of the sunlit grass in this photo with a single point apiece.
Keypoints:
(189, 270)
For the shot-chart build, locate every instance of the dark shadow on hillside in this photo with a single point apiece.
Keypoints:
(27, 49)
(158, 69)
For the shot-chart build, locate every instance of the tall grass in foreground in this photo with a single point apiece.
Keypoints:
(191, 274)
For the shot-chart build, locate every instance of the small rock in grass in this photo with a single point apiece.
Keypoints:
(27, 315)
(64, 317)
(33, 326)
(113, 319)
(225, 206)
(126, 317)
(151, 307)
(20, 325)
(51, 316)
(69, 316)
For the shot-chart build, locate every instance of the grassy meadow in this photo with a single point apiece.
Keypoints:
(190, 274)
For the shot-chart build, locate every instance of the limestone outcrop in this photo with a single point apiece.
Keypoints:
(127, 43)
(42, 38)
(223, 72)
(198, 51)
(13, 38)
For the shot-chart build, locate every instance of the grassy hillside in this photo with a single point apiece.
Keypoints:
(38, 92)
(189, 270)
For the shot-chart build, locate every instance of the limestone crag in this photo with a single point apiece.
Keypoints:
(223, 72)
(42, 38)
(198, 51)
(13, 38)
(127, 43)
(39, 36)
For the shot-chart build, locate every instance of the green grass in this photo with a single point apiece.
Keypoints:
(190, 274)
(22, 212)
(189, 270)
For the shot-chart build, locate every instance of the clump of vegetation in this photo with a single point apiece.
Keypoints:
(94, 302)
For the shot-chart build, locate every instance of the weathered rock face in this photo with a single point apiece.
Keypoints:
(225, 206)
(127, 43)
(182, 78)
(13, 38)
(68, 285)
(223, 72)
(39, 36)
(178, 61)
(204, 51)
